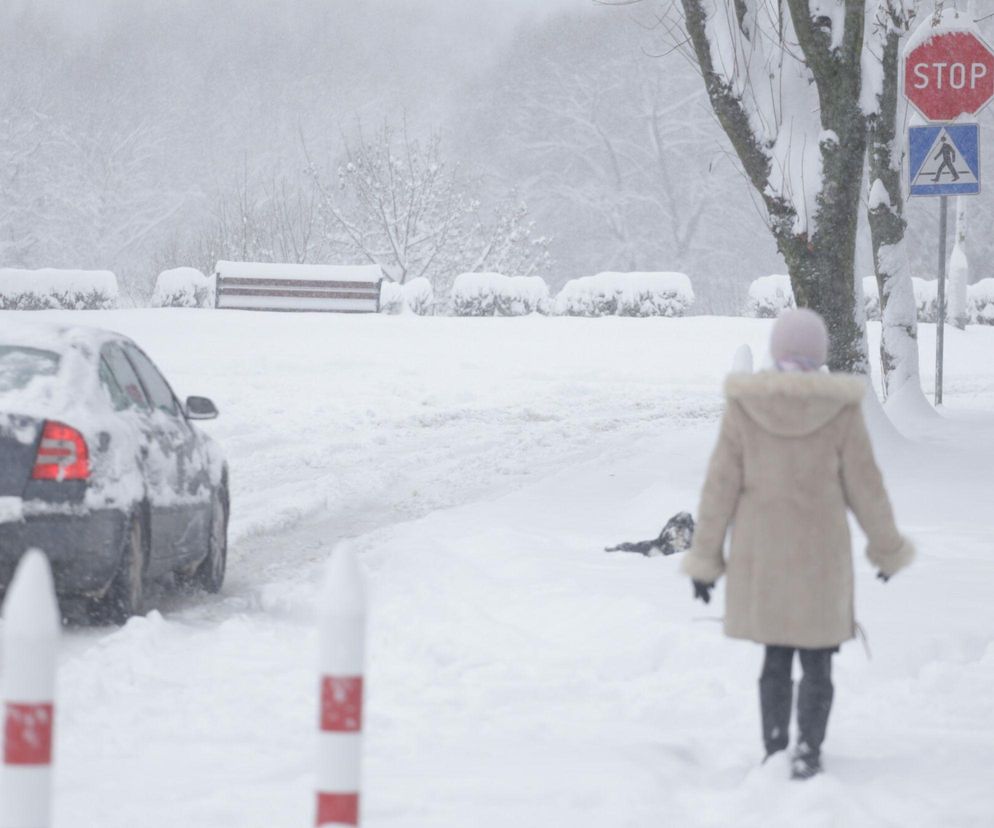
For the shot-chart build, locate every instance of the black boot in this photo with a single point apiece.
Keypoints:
(805, 763)
(814, 703)
(776, 692)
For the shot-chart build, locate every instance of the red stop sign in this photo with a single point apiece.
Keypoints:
(949, 75)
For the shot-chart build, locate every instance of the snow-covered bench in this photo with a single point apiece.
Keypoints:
(294, 287)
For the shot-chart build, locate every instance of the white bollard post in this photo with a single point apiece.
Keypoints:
(30, 643)
(342, 644)
(742, 361)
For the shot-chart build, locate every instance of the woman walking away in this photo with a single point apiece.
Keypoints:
(793, 454)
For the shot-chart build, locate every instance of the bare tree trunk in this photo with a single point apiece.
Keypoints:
(899, 322)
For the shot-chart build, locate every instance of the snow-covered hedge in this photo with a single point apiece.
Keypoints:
(523, 295)
(475, 294)
(57, 289)
(416, 296)
(182, 287)
(626, 294)
(419, 296)
(981, 302)
(926, 298)
(769, 296)
(494, 294)
(391, 297)
(871, 298)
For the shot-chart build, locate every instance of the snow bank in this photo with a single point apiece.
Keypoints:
(871, 298)
(626, 294)
(182, 287)
(494, 294)
(419, 296)
(981, 302)
(50, 288)
(494, 468)
(769, 296)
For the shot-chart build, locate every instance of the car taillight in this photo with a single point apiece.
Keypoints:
(62, 454)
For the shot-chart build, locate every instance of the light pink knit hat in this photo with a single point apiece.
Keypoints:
(800, 336)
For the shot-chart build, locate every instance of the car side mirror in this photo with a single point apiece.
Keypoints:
(200, 408)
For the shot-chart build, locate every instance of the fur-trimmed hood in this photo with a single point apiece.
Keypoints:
(794, 404)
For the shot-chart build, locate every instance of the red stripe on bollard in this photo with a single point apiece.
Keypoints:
(28, 734)
(335, 808)
(341, 704)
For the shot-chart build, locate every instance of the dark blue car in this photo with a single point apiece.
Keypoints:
(104, 469)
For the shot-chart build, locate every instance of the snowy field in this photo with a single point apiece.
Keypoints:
(519, 675)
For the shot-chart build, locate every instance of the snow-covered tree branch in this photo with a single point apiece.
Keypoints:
(396, 202)
(784, 80)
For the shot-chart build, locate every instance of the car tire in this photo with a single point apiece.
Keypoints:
(125, 597)
(209, 575)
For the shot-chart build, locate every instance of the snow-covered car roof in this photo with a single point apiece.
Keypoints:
(75, 382)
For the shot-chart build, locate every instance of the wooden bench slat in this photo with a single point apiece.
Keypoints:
(224, 281)
(302, 294)
(299, 310)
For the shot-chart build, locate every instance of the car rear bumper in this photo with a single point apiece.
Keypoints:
(84, 548)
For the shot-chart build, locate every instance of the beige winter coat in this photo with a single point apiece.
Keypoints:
(792, 456)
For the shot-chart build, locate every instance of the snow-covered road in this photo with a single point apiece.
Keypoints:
(518, 673)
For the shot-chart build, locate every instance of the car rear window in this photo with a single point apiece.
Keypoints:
(20, 365)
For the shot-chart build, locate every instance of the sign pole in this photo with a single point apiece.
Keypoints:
(940, 309)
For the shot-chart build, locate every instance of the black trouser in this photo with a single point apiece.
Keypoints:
(814, 698)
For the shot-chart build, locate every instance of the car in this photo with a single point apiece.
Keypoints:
(104, 470)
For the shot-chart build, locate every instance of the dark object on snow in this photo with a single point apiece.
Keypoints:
(703, 591)
(677, 535)
(814, 702)
(881, 576)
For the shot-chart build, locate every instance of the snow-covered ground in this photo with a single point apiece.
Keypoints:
(520, 675)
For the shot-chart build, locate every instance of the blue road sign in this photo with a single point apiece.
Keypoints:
(944, 159)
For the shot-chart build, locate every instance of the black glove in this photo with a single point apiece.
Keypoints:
(703, 591)
(883, 577)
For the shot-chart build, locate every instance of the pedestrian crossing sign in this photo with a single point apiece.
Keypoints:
(944, 159)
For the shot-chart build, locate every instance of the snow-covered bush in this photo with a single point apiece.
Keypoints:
(391, 297)
(586, 296)
(626, 294)
(419, 296)
(769, 296)
(494, 294)
(654, 294)
(475, 294)
(871, 298)
(981, 302)
(521, 296)
(50, 288)
(182, 287)
(926, 298)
